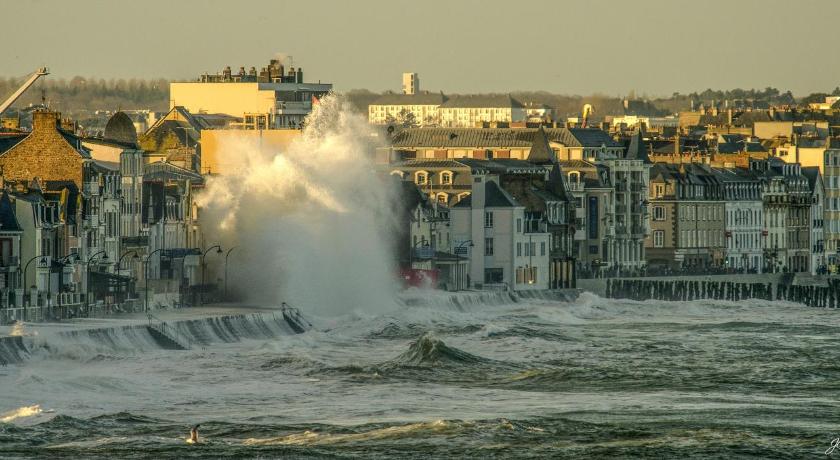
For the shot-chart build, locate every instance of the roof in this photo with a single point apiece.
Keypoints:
(541, 152)
(120, 128)
(637, 149)
(582, 137)
(499, 137)
(503, 166)
(494, 197)
(812, 173)
(8, 141)
(410, 99)
(483, 101)
(160, 170)
(8, 219)
(431, 163)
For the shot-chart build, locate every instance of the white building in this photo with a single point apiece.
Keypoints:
(505, 252)
(743, 219)
(410, 83)
(472, 111)
(420, 109)
(816, 221)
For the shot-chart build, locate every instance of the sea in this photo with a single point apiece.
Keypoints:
(464, 376)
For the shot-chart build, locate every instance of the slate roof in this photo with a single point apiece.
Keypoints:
(499, 137)
(8, 141)
(582, 137)
(483, 101)
(494, 197)
(431, 163)
(541, 152)
(811, 173)
(410, 99)
(638, 148)
(120, 128)
(8, 219)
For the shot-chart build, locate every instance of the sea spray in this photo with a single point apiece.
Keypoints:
(310, 222)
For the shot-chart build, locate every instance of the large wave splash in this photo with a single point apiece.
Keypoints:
(310, 222)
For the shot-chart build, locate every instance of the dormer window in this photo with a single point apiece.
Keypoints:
(574, 177)
(446, 178)
(398, 173)
(421, 178)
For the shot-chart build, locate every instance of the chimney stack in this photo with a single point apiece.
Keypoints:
(45, 120)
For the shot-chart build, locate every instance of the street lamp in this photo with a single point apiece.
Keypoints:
(148, 259)
(25, 268)
(63, 260)
(119, 262)
(87, 291)
(218, 251)
(226, 269)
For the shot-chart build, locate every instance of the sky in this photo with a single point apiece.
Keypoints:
(653, 47)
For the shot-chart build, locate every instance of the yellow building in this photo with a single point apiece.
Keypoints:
(220, 147)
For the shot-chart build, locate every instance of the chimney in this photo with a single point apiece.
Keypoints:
(677, 149)
(45, 121)
(729, 116)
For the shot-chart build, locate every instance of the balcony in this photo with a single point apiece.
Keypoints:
(576, 186)
(91, 188)
(293, 108)
(135, 241)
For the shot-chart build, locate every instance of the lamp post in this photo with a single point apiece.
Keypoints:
(148, 259)
(87, 291)
(25, 268)
(119, 262)
(62, 260)
(218, 251)
(226, 270)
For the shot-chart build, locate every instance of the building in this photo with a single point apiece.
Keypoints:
(271, 99)
(407, 110)
(816, 235)
(831, 208)
(410, 83)
(474, 111)
(744, 219)
(504, 251)
(592, 193)
(10, 238)
(787, 202)
(687, 218)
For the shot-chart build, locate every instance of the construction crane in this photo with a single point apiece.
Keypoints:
(588, 110)
(11, 100)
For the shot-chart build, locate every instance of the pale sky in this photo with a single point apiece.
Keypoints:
(572, 47)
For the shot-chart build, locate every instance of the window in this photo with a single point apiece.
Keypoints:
(421, 177)
(533, 248)
(518, 249)
(658, 238)
(488, 246)
(518, 225)
(488, 219)
(542, 248)
(443, 198)
(494, 275)
(658, 213)
(593, 249)
(446, 178)
(659, 190)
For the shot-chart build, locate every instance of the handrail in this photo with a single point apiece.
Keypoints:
(294, 312)
(176, 335)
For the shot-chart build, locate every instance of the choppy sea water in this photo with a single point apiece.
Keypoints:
(534, 379)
